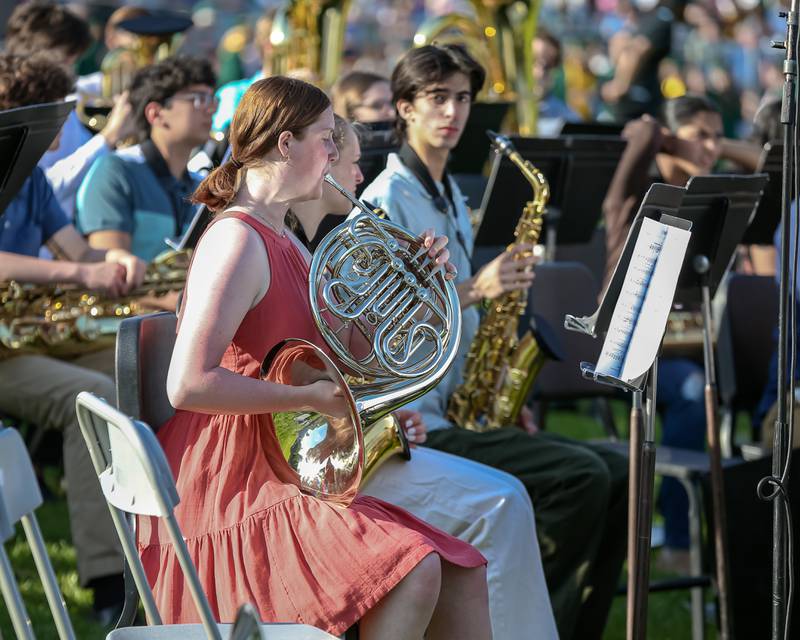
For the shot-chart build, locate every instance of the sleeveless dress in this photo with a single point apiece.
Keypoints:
(256, 539)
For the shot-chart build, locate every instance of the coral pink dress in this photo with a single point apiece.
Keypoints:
(256, 539)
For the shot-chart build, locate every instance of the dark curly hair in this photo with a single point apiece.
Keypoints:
(26, 80)
(45, 26)
(160, 81)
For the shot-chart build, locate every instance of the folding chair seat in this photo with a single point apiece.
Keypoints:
(19, 498)
(745, 348)
(136, 479)
(561, 288)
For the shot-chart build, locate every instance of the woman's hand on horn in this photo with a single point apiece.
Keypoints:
(437, 249)
(327, 398)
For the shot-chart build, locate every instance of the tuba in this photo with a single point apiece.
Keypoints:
(501, 368)
(64, 321)
(308, 37)
(500, 37)
(373, 279)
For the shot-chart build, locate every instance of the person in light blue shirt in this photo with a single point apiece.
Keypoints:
(578, 490)
(139, 197)
(553, 111)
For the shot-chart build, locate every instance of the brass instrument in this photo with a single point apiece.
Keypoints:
(375, 279)
(500, 37)
(64, 320)
(308, 37)
(500, 368)
(153, 40)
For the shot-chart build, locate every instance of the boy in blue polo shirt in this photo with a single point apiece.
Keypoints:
(137, 197)
(39, 389)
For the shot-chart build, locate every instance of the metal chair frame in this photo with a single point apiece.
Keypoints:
(19, 498)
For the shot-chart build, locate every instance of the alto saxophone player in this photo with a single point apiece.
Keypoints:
(579, 492)
(42, 390)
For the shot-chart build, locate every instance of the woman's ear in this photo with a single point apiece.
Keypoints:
(284, 143)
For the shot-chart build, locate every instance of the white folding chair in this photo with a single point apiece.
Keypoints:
(19, 498)
(135, 478)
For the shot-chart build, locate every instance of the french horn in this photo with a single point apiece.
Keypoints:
(392, 320)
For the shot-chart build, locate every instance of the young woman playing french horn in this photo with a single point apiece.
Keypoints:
(486, 507)
(252, 536)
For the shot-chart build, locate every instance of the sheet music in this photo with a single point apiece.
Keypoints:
(640, 315)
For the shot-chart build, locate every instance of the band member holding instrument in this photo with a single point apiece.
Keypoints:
(361, 96)
(578, 490)
(39, 389)
(135, 198)
(40, 26)
(483, 506)
(253, 537)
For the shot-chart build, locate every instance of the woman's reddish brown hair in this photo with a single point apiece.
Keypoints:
(268, 108)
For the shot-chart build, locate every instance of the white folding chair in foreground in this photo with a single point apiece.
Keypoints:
(19, 498)
(135, 478)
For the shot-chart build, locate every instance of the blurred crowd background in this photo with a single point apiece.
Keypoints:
(719, 48)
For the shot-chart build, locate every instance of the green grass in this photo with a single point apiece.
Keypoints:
(669, 615)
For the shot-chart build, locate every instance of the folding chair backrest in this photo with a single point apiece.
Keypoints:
(144, 349)
(746, 339)
(135, 478)
(19, 498)
(561, 288)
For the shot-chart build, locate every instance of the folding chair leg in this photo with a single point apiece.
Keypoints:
(54, 598)
(695, 560)
(16, 607)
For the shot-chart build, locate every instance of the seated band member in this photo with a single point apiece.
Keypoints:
(39, 389)
(135, 198)
(254, 537)
(40, 26)
(689, 143)
(361, 96)
(483, 506)
(578, 490)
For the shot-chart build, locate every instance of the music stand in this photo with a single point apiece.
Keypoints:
(578, 170)
(377, 140)
(472, 151)
(25, 134)
(718, 210)
(768, 215)
(611, 129)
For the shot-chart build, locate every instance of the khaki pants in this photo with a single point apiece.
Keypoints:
(42, 391)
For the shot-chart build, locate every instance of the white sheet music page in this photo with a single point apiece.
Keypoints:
(640, 316)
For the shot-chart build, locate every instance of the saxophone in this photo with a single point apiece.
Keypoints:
(65, 321)
(500, 368)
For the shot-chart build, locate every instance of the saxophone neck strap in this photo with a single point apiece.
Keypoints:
(413, 162)
(443, 203)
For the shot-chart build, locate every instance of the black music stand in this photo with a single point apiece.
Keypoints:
(661, 203)
(768, 215)
(377, 140)
(473, 149)
(718, 210)
(25, 134)
(611, 129)
(578, 170)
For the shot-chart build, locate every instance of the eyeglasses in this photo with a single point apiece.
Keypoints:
(199, 99)
(375, 106)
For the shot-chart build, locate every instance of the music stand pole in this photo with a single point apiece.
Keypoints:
(642, 466)
(780, 444)
(702, 266)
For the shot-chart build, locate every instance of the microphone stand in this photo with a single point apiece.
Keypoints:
(781, 446)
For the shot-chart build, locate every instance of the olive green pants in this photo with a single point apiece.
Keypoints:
(579, 494)
(42, 391)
